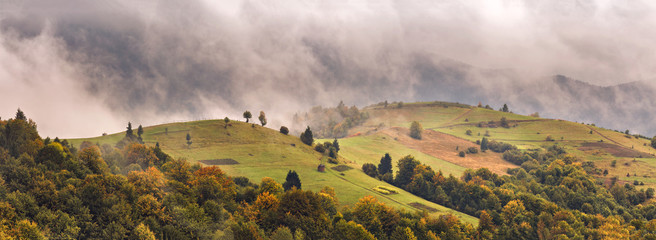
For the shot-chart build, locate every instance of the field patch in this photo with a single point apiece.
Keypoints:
(224, 161)
(422, 207)
(341, 168)
(615, 150)
(447, 147)
(385, 190)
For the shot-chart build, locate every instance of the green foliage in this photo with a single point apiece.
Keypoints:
(369, 169)
(320, 148)
(284, 130)
(468, 132)
(505, 108)
(653, 142)
(292, 180)
(385, 165)
(336, 145)
(484, 144)
(504, 122)
(416, 130)
(306, 137)
(262, 118)
(247, 115)
(406, 166)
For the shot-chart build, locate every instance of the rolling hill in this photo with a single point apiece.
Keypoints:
(243, 149)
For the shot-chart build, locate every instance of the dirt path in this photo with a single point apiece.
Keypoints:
(603, 136)
(461, 115)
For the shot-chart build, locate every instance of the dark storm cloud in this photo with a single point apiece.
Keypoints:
(104, 63)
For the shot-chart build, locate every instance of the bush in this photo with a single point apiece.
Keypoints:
(284, 130)
(461, 154)
(549, 138)
(370, 169)
(415, 130)
(320, 148)
(472, 150)
(468, 132)
(613, 163)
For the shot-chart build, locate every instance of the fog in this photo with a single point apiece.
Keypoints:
(80, 68)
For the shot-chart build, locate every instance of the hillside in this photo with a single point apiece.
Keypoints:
(243, 149)
(446, 125)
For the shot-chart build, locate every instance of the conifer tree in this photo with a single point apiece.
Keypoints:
(292, 180)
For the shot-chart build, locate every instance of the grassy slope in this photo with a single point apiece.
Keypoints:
(263, 152)
(529, 132)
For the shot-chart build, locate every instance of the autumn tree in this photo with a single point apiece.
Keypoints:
(247, 115)
(415, 130)
(262, 118)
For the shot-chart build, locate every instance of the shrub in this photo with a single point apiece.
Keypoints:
(415, 130)
(472, 150)
(468, 132)
(613, 163)
(549, 138)
(461, 154)
(370, 169)
(284, 130)
(319, 148)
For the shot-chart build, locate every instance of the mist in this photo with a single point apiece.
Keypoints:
(80, 68)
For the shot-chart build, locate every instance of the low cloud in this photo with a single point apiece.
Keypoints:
(79, 67)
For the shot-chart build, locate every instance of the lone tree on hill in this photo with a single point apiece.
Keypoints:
(385, 165)
(129, 132)
(292, 180)
(504, 108)
(415, 130)
(188, 140)
(262, 118)
(336, 145)
(20, 115)
(653, 142)
(306, 137)
(247, 115)
(226, 120)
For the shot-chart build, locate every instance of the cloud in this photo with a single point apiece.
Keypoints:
(149, 62)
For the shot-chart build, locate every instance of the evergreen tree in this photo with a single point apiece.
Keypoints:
(484, 143)
(292, 180)
(226, 120)
(129, 132)
(188, 139)
(336, 145)
(20, 115)
(262, 118)
(140, 130)
(247, 115)
(385, 165)
(505, 108)
(306, 137)
(415, 130)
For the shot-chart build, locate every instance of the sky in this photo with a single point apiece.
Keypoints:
(80, 68)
